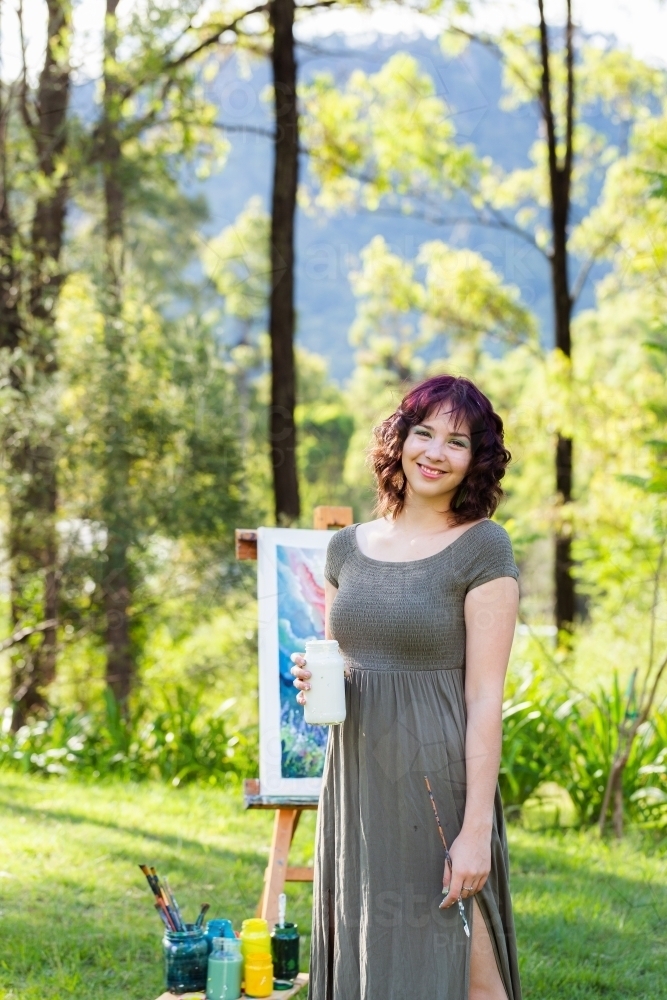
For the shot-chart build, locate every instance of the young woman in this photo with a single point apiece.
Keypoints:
(423, 603)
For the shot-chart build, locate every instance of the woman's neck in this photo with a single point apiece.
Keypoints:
(425, 517)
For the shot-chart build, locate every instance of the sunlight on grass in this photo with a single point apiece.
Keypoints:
(76, 917)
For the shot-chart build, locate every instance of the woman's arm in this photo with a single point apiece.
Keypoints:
(490, 617)
(329, 593)
(299, 670)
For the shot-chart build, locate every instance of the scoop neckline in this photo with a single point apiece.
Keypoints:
(410, 562)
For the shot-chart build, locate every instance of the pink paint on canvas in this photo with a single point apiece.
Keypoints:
(312, 592)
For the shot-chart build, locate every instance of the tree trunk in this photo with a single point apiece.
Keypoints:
(563, 580)
(120, 667)
(33, 553)
(565, 597)
(618, 808)
(613, 793)
(282, 431)
(117, 582)
(31, 446)
(560, 182)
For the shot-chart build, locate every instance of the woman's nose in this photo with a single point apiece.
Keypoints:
(435, 451)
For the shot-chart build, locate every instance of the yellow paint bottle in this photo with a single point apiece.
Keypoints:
(255, 937)
(258, 975)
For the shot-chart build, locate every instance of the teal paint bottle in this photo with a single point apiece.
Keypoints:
(225, 970)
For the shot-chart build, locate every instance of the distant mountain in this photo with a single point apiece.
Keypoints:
(328, 247)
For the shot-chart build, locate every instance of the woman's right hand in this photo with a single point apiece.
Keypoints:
(301, 676)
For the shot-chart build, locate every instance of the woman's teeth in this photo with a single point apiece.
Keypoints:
(432, 473)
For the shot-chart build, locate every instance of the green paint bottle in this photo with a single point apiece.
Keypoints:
(225, 969)
(285, 951)
(284, 948)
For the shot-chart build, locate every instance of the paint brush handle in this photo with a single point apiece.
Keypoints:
(176, 910)
(172, 915)
(150, 879)
(202, 913)
(164, 896)
(448, 858)
(169, 918)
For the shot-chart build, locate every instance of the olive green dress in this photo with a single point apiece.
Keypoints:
(379, 859)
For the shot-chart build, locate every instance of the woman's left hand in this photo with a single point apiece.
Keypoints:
(471, 864)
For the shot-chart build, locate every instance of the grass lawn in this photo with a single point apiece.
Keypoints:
(76, 917)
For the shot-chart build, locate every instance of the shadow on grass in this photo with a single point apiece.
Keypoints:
(175, 841)
(584, 931)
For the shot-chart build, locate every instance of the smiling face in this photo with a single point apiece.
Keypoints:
(436, 457)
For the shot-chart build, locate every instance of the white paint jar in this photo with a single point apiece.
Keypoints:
(325, 702)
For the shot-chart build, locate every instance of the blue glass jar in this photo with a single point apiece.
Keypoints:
(185, 959)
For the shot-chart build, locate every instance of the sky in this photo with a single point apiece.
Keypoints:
(640, 25)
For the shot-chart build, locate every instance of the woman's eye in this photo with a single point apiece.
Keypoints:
(461, 444)
(422, 433)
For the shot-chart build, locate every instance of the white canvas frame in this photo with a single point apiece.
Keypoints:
(272, 783)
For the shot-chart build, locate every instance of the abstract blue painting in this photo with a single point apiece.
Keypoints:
(300, 617)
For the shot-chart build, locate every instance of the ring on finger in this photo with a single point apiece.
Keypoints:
(468, 888)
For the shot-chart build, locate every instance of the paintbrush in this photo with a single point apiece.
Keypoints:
(174, 905)
(151, 881)
(202, 913)
(171, 903)
(161, 903)
(178, 924)
(448, 858)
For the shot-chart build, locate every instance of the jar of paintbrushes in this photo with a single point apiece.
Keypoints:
(184, 946)
(185, 959)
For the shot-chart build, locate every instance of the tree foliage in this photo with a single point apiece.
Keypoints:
(136, 389)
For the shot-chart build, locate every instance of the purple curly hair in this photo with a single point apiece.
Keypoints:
(480, 492)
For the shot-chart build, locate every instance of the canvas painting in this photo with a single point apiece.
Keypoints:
(291, 611)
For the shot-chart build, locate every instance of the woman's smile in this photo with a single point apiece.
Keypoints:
(429, 471)
(436, 457)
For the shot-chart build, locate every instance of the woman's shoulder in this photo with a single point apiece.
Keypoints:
(488, 555)
(343, 538)
(492, 532)
(341, 543)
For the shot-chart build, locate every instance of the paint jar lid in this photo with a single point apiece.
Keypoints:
(289, 930)
(219, 927)
(254, 925)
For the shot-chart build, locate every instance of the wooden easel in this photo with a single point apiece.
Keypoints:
(288, 811)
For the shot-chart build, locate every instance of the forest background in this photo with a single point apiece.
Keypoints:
(488, 203)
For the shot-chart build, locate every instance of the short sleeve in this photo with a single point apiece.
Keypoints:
(337, 552)
(493, 558)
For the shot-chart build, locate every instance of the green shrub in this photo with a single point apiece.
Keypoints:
(531, 745)
(572, 742)
(181, 743)
(547, 738)
(588, 741)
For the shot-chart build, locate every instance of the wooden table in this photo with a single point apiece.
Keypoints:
(300, 983)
